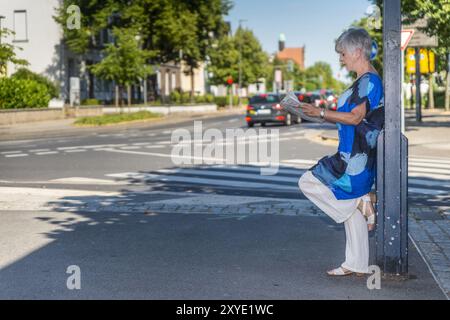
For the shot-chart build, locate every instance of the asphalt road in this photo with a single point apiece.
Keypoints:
(137, 254)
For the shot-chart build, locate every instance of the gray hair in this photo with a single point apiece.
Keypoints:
(355, 38)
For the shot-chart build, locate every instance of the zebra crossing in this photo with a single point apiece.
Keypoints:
(427, 176)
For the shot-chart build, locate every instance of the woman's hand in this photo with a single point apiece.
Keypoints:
(310, 110)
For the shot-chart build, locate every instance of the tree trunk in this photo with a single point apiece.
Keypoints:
(192, 85)
(129, 96)
(447, 92)
(431, 93)
(121, 98)
(117, 95)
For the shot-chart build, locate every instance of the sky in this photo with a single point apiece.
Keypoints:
(313, 23)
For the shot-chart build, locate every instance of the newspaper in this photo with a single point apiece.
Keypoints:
(292, 105)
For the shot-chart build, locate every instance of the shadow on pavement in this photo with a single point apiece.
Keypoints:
(137, 254)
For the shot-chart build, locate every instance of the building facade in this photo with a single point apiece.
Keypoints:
(40, 39)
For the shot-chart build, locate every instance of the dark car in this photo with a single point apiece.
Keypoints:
(266, 108)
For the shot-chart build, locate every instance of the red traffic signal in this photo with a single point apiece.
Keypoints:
(230, 81)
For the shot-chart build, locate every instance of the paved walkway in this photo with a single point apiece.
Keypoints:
(162, 245)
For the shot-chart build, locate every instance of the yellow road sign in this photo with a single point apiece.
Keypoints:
(427, 61)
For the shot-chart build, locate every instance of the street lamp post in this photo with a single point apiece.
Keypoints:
(240, 64)
(1, 17)
(392, 183)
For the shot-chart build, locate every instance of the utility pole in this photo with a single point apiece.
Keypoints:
(240, 64)
(392, 170)
(1, 17)
(418, 93)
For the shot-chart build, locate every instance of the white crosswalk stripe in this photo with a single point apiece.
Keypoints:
(249, 177)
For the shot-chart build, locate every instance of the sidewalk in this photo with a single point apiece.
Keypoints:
(159, 245)
(65, 127)
(429, 227)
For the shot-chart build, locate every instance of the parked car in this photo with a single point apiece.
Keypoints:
(266, 108)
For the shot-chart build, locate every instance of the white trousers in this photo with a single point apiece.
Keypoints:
(341, 211)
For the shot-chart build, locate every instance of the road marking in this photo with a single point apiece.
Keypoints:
(45, 153)
(87, 181)
(429, 175)
(130, 148)
(428, 183)
(430, 160)
(429, 170)
(75, 150)
(191, 180)
(10, 152)
(428, 165)
(301, 161)
(205, 172)
(39, 150)
(141, 143)
(16, 155)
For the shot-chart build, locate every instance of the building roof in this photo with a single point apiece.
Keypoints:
(295, 54)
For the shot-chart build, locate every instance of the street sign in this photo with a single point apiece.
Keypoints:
(407, 34)
(419, 38)
(427, 61)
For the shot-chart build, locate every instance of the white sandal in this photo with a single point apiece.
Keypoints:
(340, 272)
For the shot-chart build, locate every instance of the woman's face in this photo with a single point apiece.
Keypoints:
(346, 58)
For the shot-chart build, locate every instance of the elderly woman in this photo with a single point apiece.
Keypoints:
(340, 184)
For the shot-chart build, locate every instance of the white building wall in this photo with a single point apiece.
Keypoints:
(199, 80)
(41, 46)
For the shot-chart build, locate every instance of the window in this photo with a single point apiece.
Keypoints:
(20, 26)
(263, 98)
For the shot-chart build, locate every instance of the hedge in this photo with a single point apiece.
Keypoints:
(25, 74)
(17, 93)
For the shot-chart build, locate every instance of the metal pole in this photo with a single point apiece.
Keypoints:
(240, 64)
(391, 237)
(403, 93)
(418, 93)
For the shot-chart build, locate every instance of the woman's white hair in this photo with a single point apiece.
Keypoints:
(355, 38)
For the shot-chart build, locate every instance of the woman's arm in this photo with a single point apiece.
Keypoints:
(351, 118)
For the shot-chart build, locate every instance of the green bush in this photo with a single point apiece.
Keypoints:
(225, 101)
(439, 99)
(25, 74)
(200, 99)
(209, 98)
(175, 96)
(90, 102)
(17, 93)
(221, 101)
(185, 97)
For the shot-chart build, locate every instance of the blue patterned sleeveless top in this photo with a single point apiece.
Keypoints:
(350, 173)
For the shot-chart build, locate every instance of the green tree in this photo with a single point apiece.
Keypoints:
(318, 76)
(7, 52)
(224, 59)
(437, 13)
(204, 25)
(124, 62)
